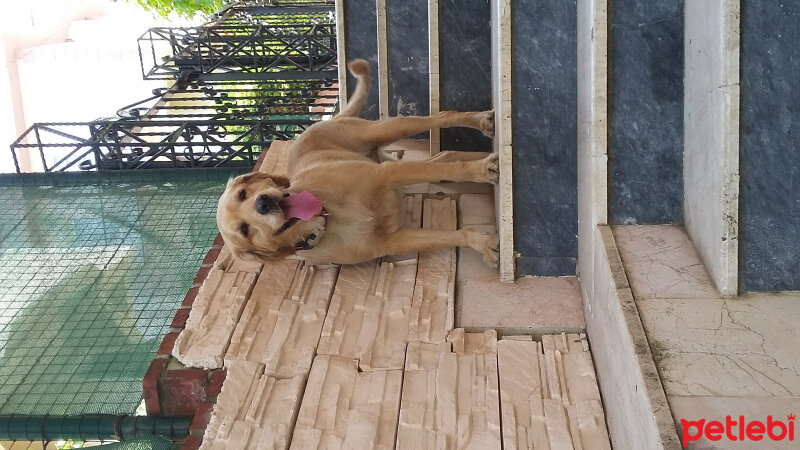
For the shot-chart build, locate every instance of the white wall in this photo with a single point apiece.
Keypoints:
(711, 136)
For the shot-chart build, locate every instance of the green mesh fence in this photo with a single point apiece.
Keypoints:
(92, 269)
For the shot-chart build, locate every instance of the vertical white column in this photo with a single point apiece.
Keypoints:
(433, 67)
(711, 136)
(502, 142)
(341, 53)
(592, 130)
(383, 61)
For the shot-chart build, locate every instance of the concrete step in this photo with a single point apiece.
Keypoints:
(716, 356)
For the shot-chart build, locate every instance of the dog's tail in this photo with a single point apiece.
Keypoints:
(360, 69)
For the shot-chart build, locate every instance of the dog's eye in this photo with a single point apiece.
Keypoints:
(243, 196)
(244, 228)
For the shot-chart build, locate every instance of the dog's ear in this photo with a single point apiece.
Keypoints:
(279, 180)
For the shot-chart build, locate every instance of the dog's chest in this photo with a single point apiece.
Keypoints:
(378, 214)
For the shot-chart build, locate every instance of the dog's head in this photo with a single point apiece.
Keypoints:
(251, 217)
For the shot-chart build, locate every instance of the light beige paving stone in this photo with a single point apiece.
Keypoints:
(281, 324)
(476, 209)
(344, 408)
(227, 263)
(549, 394)
(253, 410)
(369, 313)
(450, 397)
(661, 262)
(521, 395)
(213, 318)
(744, 347)
(432, 307)
(712, 408)
(536, 304)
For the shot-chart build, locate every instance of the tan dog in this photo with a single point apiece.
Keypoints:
(340, 206)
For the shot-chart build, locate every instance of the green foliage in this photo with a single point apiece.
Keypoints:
(186, 8)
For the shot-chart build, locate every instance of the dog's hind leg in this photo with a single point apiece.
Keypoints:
(412, 240)
(454, 156)
(404, 173)
(382, 132)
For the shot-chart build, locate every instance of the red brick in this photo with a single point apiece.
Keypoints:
(192, 442)
(201, 275)
(201, 417)
(183, 391)
(150, 386)
(179, 321)
(188, 300)
(211, 256)
(215, 384)
(218, 242)
(166, 345)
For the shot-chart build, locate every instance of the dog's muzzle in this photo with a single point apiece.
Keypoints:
(265, 204)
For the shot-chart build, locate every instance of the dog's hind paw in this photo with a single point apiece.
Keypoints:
(486, 123)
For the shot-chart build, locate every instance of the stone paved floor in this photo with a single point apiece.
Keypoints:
(419, 351)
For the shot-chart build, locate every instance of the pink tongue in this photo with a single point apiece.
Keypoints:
(303, 206)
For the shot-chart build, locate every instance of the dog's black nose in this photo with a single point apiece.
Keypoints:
(264, 204)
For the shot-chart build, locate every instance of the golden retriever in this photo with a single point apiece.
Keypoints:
(338, 205)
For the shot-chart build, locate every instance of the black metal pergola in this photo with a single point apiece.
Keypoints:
(252, 75)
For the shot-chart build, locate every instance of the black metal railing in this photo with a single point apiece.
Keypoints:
(276, 15)
(253, 75)
(260, 100)
(227, 52)
(153, 144)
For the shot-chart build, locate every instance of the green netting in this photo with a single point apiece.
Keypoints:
(92, 269)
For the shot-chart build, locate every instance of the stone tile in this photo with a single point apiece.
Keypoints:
(540, 304)
(280, 326)
(549, 395)
(254, 410)
(476, 209)
(717, 408)
(545, 179)
(432, 306)
(661, 262)
(368, 316)
(213, 318)
(751, 340)
(646, 127)
(450, 394)
(345, 408)
(407, 67)
(769, 227)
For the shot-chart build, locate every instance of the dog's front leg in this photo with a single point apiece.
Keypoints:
(412, 240)
(397, 174)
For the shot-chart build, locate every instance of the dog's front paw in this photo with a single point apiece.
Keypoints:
(486, 123)
(312, 233)
(489, 246)
(490, 169)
